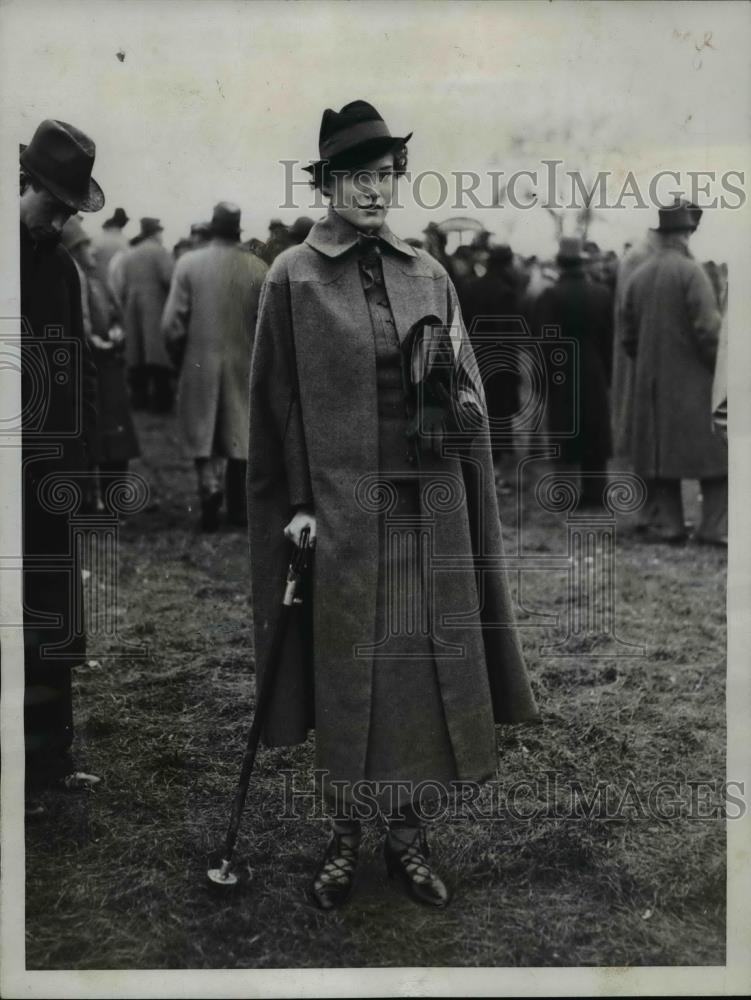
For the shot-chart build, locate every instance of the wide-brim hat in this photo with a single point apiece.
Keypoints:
(60, 157)
(118, 221)
(355, 134)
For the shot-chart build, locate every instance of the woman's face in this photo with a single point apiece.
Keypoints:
(363, 196)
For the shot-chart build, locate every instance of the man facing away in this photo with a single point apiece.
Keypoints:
(671, 327)
(142, 282)
(209, 322)
(109, 243)
(58, 391)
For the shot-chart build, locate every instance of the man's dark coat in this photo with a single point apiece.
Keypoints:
(58, 396)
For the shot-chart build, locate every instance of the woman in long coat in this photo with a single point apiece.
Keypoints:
(414, 653)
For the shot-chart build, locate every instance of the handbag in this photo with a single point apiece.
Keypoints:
(444, 393)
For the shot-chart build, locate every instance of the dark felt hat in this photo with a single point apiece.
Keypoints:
(149, 227)
(225, 220)
(680, 217)
(118, 221)
(357, 131)
(570, 251)
(60, 158)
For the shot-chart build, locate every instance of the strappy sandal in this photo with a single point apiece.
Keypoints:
(412, 868)
(333, 881)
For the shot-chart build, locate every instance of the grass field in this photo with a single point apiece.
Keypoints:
(116, 878)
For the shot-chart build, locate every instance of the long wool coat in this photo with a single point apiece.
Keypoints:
(213, 303)
(622, 381)
(313, 440)
(142, 283)
(583, 310)
(671, 329)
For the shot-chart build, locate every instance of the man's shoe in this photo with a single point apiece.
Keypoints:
(78, 781)
(210, 512)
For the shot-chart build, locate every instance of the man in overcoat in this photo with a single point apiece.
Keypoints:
(491, 308)
(622, 380)
(59, 415)
(209, 321)
(142, 283)
(328, 449)
(578, 418)
(671, 331)
(109, 243)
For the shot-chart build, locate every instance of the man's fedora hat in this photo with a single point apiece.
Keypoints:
(680, 217)
(225, 220)
(355, 131)
(570, 251)
(149, 227)
(118, 221)
(60, 158)
(200, 229)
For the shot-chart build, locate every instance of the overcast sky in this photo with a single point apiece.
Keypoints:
(211, 95)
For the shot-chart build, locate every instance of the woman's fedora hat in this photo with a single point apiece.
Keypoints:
(60, 158)
(355, 131)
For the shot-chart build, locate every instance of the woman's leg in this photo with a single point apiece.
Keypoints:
(406, 852)
(334, 878)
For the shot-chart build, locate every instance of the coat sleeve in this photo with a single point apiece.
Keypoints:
(629, 323)
(167, 266)
(605, 329)
(177, 307)
(88, 385)
(277, 438)
(703, 316)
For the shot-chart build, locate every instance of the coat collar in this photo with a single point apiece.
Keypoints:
(333, 236)
(669, 241)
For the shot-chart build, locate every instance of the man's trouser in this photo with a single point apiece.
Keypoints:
(663, 510)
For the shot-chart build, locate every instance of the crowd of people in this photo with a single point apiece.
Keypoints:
(299, 337)
(141, 310)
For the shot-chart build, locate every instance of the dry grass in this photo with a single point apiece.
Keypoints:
(116, 879)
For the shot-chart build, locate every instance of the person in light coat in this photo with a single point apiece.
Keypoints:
(671, 332)
(208, 322)
(141, 281)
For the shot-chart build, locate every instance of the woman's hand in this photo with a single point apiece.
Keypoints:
(303, 518)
